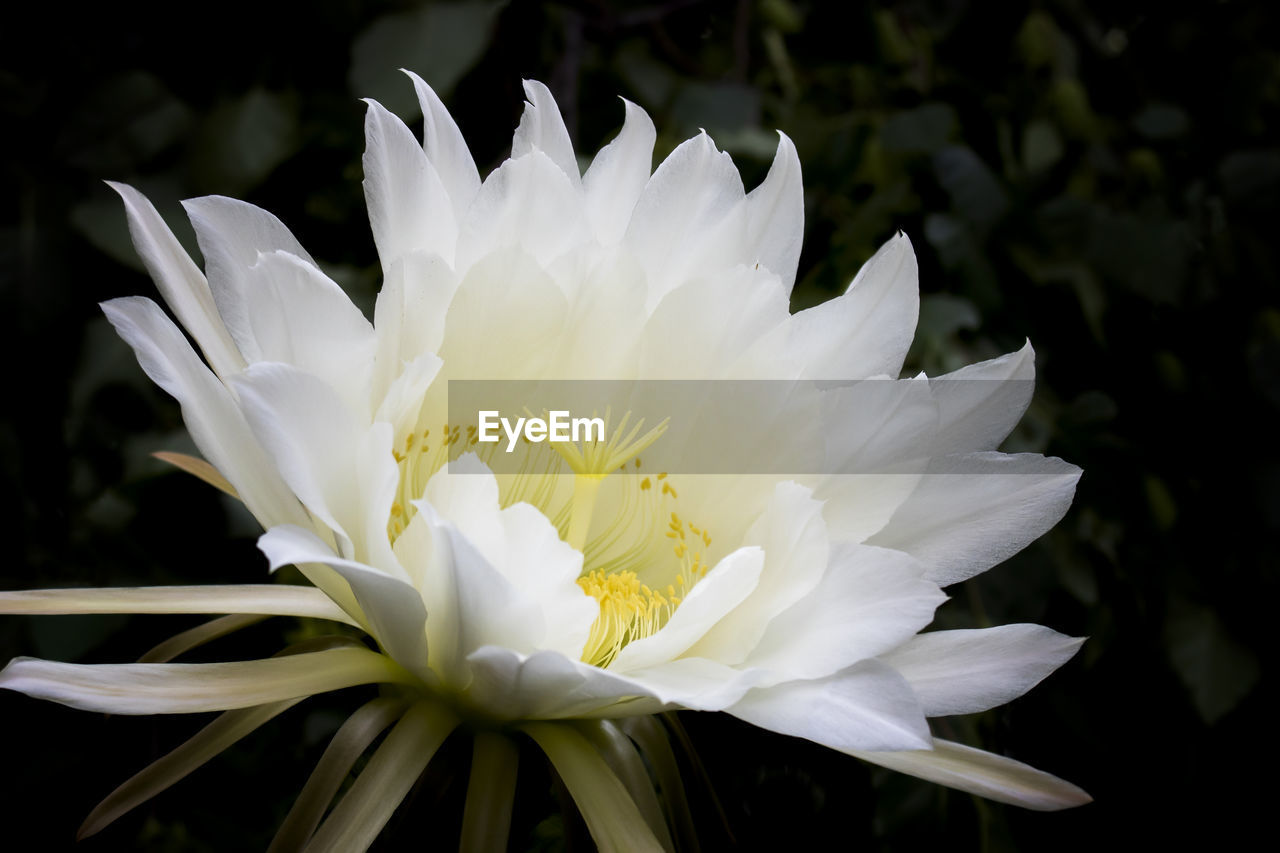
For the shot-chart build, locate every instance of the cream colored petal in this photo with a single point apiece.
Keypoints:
(542, 129)
(265, 599)
(775, 215)
(446, 149)
(618, 174)
(365, 809)
(983, 773)
(184, 688)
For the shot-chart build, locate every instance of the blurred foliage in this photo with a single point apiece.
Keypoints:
(1101, 177)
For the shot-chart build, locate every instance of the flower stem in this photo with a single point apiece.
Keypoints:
(486, 820)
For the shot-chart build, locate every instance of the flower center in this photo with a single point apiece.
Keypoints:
(640, 559)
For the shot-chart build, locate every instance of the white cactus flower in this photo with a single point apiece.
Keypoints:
(565, 606)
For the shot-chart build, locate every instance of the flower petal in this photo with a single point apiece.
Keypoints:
(409, 207)
(618, 174)
(180, 281)
(300, 316)
(724, 588)
(265, 599)
(970, 512)
(983, 773)
(868, 706)
(184, 688)
(980, 404)
(231, 234)
(964, 672)
(446, 149)
(548, 685)
(869, 601)
(362, 812)
(775, 215)
(542, 129)
(689, 219)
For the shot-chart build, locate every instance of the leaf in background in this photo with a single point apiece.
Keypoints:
(1217, 670)
(922, 130)
(440, 42)
(975, 191)
(1161, 121)
(243, 140)
(1041, 146)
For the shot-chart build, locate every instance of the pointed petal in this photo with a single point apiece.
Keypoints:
(970, 512)
(231, 234)
(775, 215)
(409, 207)
(992, 776)
(347, 745)
(264, 599)
(868, 706)
(180, 281)
(542, 129)
(980, 404)
(446, 149)
(618, 174)
(209, 742)
(865, 332)
(964, 672)
(362, 812)
(184, 688)
(628, 765)
(615, 823)
(689, 217)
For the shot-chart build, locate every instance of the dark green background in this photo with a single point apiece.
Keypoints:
(1101, 177)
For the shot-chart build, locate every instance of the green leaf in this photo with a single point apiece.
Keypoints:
(1217, 670)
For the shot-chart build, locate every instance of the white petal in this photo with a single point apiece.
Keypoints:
(723, 589)
(980, 404)
(992, 776)
(266, 599)
(775, 215)
(864, 333)
(794, 539)
(696, 683)
(300, 316)
(618, 174)
(964, 672)
(970, 512)
(690, 217)
(542, 129)
(343, 473)
(184, 688)
(180, 281)
(409, 316)
(528, 203)
(393, 609)
(231, 235)
(868, 706)
(409, 207)
(869, 601)
(446, 149)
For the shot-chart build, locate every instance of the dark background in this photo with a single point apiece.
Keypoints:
(1101, 177)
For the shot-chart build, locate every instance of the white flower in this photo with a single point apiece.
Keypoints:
(520, 602)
